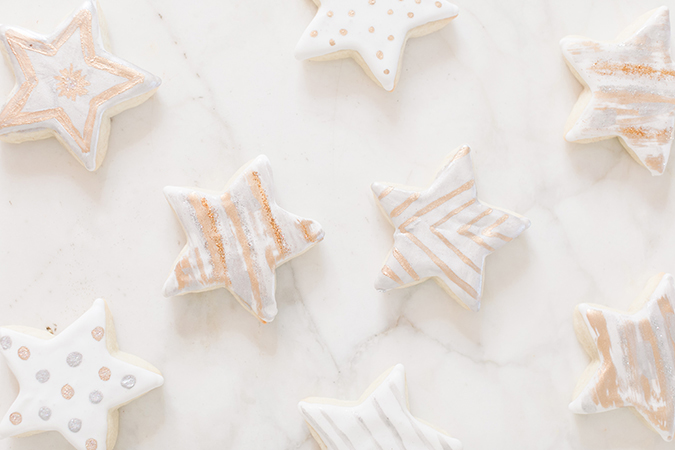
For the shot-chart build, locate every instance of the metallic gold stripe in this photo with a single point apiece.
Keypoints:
(606, 392)
(487, 231)
(438, 202)
(214, 241)
(465, 259)
(385, 192)
(464, 230)
(405, 264)
(391, 274)
(403, 206)
(461, 153)
(273, 228)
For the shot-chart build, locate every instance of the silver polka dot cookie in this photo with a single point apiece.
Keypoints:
(73, 382)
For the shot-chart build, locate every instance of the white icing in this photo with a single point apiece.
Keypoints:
(45, 93)
(42, 405)
(632, 81)
(639, 370)
(444, 232)
(231, 239)
(316, 40)
(379, 421)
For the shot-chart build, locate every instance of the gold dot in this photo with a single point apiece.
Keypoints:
(386, 71)
(331, 42)
(329, 13)
(439, 4)
(380, 55)
(15, 418)
(371, 29)
(24, 353)
(351, 13)
(372, 2)
(390, 12)
(411, 15)
(418, 1)
(343, 32)
(391, 37)
(67, 392)
(314, 33)
(97, 333)
(91, 444)
(104, 374)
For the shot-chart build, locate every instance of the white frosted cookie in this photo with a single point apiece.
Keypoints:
(74, 382)
(633, 357)
(444, 232)
(629, 89)
(378, 420)
(237, 238)
(69, 86)
(372, 32)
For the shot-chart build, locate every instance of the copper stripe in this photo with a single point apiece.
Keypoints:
(273, 228)
(391, 274)
(214, 241)
(465, 259)
(403, 206)
(487, 231)
(461, 153)
(405, 264)
(438, 202)
(385, 192)
(464, 230)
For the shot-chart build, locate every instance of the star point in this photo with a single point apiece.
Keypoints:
(237, 239)
(444, 232)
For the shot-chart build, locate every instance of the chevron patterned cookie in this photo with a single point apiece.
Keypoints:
(633, 357)
(629, 90)
(444, 232)
(378, 420)
(237, 238)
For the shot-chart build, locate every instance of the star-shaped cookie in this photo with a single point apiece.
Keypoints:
(629, 90)
(444, 232)
(378, 420)
(373, 32)
(237, 238)
(69, 86)
(73, 382)
(633, 357)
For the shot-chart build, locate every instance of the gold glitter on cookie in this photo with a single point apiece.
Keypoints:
(71, 83)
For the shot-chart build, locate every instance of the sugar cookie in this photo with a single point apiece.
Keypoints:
(73, 382)
(444, 232)
(629, 90)
(236, 239)
(378, 420)
(372, 32)
(633, 357)
(69, 86)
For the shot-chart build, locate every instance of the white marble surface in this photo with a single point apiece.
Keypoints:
(494, 78)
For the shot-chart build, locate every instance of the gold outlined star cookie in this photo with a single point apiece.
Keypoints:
(74, 382)
(69, 86)
(633, 357)
(444, 232)
(629, 90)
(236, 239)
(380, 419)
(372, 32)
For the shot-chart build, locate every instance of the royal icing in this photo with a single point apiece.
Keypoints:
(635, 359)
(380, 420)
(444, 232)
(376, 30)
(71, 383)
(236, 239)
(629, 89)
(68, 86)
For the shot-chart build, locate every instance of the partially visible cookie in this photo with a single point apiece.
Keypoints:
(380, 419)
(69, 86)
(74, 382)
(629, 89)
(237, 238)
(633, 357)
(372, 32)
(444, 232)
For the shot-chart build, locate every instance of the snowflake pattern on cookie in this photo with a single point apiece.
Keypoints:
(635, 358)
(379, 420)
(373, 32)
(236, 239)
(71, 382)
(68, 86)
(444, 232)
(629, 90)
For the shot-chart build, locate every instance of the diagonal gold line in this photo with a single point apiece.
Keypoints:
(487, 231)
(405, 264)
(391, 274)
(403, 206)
(464, 230)
(436, 203)
(385, 192)
(461, 255)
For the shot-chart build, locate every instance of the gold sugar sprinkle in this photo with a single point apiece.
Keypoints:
(386, 71)
(438, 4)
(380, 55)
(343, 32)
(24, 353)
(411, 15)
(391, 37)
(331, 42)
(314, 33)
(329, 13)
(351, 13)
(15, 418)
(67, 392)
(104, 373)
(91, 444)
(371, 29)
(372, 2)
(390, 12)
(97, 333)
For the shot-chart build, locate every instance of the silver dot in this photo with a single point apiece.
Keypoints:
(74, 359)
(95, 397)
(5, 342)
(42, 376)
(74, 425)
(45, 413)
(129, 381)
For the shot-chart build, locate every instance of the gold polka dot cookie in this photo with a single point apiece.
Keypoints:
(74, 382)
(372, 32)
